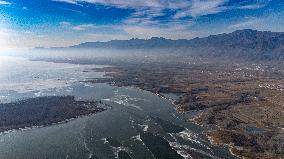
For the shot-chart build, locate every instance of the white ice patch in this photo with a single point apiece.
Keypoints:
(107, 99)
(88, 85)
(69, 89)
(117, 149)
(104, 140)
(87, 148)
(190, 136)
(183, 150)
(137, 138)
(124, 100)
(37, 85)
(3, 99)
(180, 149)
(134, 106)
(91, 155)
(144, 127)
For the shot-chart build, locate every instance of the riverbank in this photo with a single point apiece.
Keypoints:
(226, 96)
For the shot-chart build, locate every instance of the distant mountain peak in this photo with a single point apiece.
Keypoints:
(246, 31)
(244, 44)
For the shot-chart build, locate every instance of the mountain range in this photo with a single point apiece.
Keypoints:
(243, 44)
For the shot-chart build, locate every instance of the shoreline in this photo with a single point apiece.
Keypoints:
(230, 147)
(207, 136)
(43, 126)
(44, 111)
(172, 101)
(211, 140)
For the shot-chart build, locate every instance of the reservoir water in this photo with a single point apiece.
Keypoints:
(136, 124)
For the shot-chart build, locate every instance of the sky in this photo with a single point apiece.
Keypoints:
(54, 23)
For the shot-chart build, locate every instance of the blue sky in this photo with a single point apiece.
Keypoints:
(30, 23)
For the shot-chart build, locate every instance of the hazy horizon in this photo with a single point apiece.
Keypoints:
(59, 23)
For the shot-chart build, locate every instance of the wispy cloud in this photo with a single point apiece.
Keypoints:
(79, 27)
(117, 3)
(66, 1)
(176, 32)
(254, 4)
(173, 30)
(93, 29)
(200, 8)
(65, 23)
(4, 2)
(250, 23)
(84, 27)
(183, 8)
(156, 6)
(144, 21)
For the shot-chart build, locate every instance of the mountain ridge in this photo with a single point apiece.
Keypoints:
(245, 44)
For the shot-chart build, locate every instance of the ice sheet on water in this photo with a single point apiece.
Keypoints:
(34, 85)
(124, 100)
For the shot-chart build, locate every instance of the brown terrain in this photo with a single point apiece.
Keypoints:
(241, 104)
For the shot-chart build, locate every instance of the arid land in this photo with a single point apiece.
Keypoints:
(241, 104)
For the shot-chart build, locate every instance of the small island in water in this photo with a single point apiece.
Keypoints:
(43, 111)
